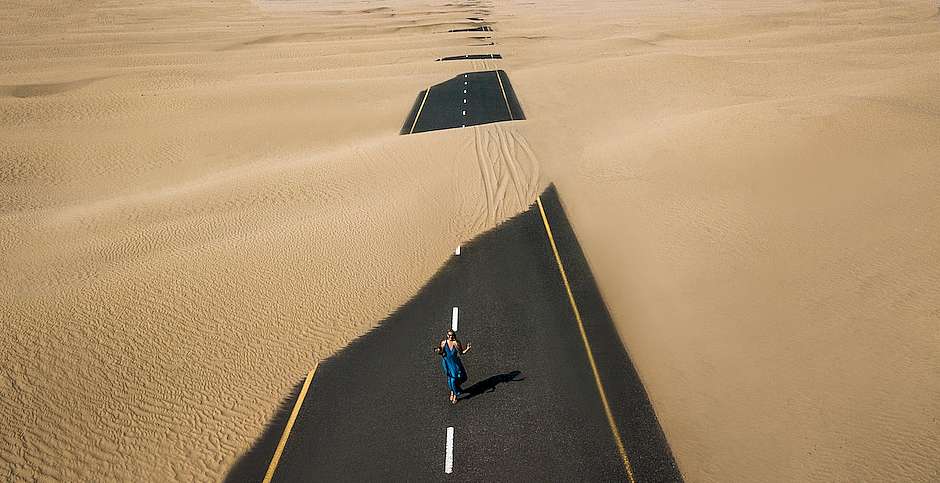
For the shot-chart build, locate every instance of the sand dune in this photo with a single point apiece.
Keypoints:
(199, 202)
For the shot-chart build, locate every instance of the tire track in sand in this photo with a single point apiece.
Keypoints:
(509, 173)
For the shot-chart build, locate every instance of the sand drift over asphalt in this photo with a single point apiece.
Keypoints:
(198, 202)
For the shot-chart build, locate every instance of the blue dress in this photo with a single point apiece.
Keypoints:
(453, 369)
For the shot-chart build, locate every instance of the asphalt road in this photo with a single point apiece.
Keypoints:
(481, 28)
(379, 409)
(471, 57)
(469, 99)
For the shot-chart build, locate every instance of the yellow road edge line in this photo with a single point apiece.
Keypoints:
(415, 123)
(511, 118)
(290, 424)
(587, 348)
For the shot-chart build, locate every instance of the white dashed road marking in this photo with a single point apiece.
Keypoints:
(453, 321)
(449, 452)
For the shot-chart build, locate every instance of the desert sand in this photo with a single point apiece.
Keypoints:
(198, 203)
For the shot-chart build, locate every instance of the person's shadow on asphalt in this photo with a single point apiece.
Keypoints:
(489, 384)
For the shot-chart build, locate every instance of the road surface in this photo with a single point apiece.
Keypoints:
(469, 99)
(379, 409)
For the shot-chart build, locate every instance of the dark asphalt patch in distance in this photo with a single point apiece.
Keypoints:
(471, 57)
(482, 28)
(470, 99)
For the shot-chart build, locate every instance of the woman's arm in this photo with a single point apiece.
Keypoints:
(464, 351)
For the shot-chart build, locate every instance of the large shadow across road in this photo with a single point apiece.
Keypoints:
(379, 409)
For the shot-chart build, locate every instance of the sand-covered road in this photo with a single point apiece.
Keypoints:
(198, 202)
